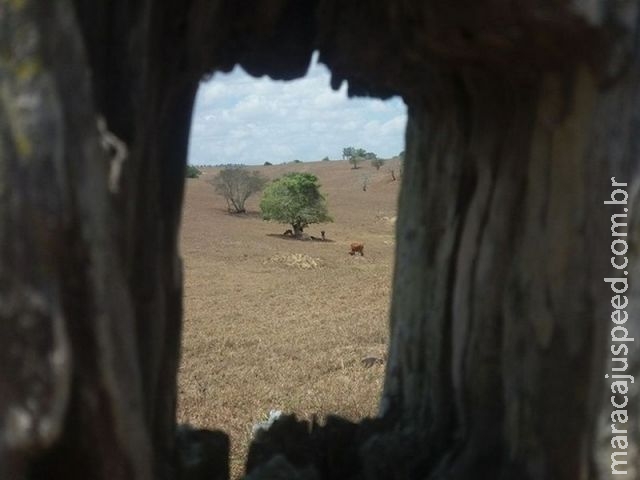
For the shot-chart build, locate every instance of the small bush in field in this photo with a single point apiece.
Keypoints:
(377, 163)
(192, 172)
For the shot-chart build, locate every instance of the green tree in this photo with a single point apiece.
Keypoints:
(295, 199)
(192, 172)
(236, 184)
(348, 152)
(377, 163)
(355, 162)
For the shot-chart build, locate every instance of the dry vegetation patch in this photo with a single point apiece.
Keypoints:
(296, 260)
(280, 324)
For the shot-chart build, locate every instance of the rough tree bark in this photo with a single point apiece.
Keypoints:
(498, 368)
(503, 358)
(519, 115)
(91, 279)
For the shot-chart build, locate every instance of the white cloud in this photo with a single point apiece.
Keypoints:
(239, 119)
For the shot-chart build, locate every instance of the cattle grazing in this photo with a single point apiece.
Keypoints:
(288, 232)
(357, 248)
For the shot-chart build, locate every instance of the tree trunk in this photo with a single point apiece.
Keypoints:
(91, 298)
(500, 317)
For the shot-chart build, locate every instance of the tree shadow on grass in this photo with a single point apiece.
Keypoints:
(300, 239)
(242, 215)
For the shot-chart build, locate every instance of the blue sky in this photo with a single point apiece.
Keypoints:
(241, 119)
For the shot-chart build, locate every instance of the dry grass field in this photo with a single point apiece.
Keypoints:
(278, 323)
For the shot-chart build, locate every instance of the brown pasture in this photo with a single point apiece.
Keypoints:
(273, 322)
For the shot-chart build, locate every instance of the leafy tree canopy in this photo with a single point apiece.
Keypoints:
(348, 152)
(295, 199)
(360, 152)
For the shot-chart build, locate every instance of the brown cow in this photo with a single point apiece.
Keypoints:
(357, 248)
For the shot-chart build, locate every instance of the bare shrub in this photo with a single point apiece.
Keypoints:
(236, 184)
